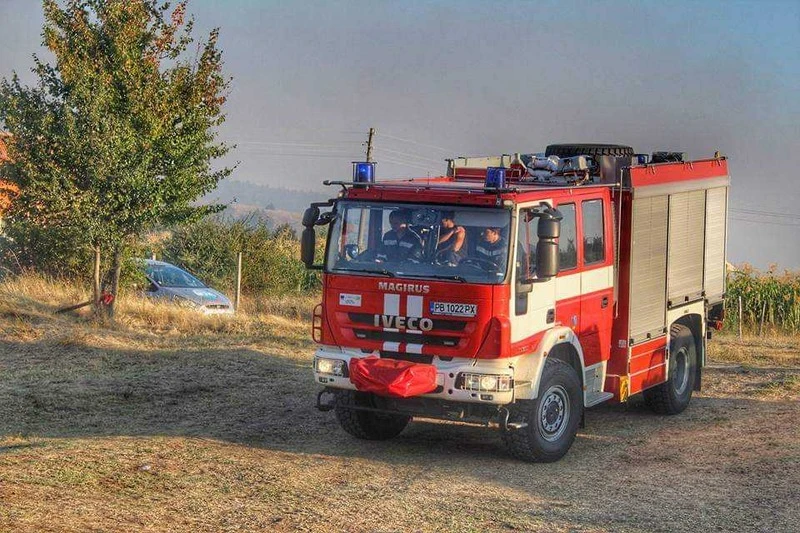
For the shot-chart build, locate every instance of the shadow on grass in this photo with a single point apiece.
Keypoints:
(249, 398)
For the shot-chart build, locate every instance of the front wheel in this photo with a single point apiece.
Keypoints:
(368, 425)
(550, 422)
(673, 396)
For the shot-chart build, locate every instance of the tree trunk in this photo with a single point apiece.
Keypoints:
(116, 270)
(96, 279)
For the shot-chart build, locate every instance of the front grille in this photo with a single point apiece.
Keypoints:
(411, 357)
(438, 324)
(217, 306)
(410, 338)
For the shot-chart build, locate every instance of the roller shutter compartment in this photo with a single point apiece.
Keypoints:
(648, 268)
(714, 276)
(687, 214)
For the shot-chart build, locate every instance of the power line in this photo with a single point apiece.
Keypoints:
(418, 164)
(333, 144)
(447, 150)
(398, 152)
(765, 213)
(405, 163)
(770, 222)
(349, 157)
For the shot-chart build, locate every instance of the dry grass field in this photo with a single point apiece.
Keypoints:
(168, 421)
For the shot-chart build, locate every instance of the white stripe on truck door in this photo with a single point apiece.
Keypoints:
(414, 304)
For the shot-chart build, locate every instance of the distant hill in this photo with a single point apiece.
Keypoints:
(252, 195)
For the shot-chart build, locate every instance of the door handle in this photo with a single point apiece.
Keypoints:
(604, 302)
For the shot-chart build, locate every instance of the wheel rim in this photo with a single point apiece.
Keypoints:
(681, 373)
(554, 412)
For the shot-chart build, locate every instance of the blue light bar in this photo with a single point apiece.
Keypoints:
(363, 172)
(495, 177)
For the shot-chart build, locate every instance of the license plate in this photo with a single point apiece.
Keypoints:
(453, 309)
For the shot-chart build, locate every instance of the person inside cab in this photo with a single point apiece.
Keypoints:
(451, 247)
(492, 247)
(400, 243)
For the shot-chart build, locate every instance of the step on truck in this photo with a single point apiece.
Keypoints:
(518, 290)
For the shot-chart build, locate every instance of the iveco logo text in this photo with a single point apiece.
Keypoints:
(403, 322)
(404, 287)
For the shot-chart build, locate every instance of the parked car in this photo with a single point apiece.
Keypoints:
(170, 283)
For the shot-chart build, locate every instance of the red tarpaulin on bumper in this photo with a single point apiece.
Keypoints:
(389, 377)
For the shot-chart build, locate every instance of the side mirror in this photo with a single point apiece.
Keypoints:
(546, 260)
(548, 230)
(308, 241)
(310, 216)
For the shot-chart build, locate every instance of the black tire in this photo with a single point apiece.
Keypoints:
(674, 395)
(366, 425)
(594, 150)
(549, 440)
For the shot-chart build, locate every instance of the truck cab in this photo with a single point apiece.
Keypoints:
(530, 318)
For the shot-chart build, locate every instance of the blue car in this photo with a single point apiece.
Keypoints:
(170, 283)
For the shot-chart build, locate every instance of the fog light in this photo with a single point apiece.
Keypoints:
(488, 382)
(485, 382)
(334, 367)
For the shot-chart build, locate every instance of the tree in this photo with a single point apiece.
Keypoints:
(119, 135)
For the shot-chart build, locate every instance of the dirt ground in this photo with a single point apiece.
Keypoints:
(123, 429)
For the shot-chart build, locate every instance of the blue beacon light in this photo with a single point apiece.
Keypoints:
(363, 172)
(495, 178)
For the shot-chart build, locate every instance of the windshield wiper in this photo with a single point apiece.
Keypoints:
(437, 276)
(381, 272)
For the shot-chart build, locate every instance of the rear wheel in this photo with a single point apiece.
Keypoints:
(551, 420)
(673, 396)
(367, 425)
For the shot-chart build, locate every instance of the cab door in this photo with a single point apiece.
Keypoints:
(596, 264)
(531, 311)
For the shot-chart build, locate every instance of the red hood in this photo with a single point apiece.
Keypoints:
(396, 315)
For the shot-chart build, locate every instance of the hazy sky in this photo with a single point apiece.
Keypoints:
(480, 78)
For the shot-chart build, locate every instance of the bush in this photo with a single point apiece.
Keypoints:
(57, 253)
(270, 259)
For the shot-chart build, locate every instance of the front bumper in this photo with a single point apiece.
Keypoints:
(447, 373)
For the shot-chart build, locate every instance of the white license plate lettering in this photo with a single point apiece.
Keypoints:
(453, 309)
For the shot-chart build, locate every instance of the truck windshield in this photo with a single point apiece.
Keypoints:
(458, 243)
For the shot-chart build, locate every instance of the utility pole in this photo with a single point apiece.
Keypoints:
(362, 223)
(369, 144)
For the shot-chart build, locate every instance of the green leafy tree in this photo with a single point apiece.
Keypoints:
(119, 134)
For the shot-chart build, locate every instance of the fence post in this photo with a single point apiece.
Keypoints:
(238, 281)
(763, 312)
(740, 318)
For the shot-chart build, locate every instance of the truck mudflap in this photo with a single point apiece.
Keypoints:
(389, 377)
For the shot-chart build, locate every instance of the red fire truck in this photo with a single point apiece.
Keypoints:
(518, 290)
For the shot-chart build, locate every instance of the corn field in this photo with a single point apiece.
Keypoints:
(769, 297)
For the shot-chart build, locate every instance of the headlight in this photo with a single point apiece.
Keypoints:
(334, 367)
(486, 382)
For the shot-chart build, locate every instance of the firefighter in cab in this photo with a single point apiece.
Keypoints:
(490, 250)
(400, 243)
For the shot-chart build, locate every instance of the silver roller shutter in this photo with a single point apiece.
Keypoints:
(648, 268)
(714, 275)
(687, 213)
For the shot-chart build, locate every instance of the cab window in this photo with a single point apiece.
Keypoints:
(594, 250)
(527, 238)
(567, 246)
